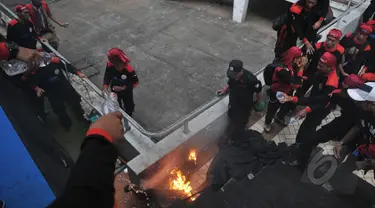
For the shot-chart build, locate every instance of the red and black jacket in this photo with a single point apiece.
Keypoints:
(300, 20)
(126, 78)
(364, 51)
(22, 33)
(50, 74)
(320, 49)
(323, 87)
(286, 80)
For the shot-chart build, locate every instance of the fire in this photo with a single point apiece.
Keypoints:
(178, 182)
(193, 156)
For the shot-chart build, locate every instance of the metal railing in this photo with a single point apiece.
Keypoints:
(184, 122)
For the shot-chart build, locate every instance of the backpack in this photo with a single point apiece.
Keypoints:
(280, 21)
(269, 71)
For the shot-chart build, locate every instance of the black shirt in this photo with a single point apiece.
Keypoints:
(241, 91)
(22, 33)
(125, 78)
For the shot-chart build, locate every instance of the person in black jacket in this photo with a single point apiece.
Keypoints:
(332, 46)
(91, 182)
(241, 87)
(285, 79)
(120, 78)
(50, 81)
(357, 50)
(318, 104)
(21, 30)
(305, 17)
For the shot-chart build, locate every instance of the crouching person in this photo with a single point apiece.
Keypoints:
(51, 82)
(285, 79)
(121, 78)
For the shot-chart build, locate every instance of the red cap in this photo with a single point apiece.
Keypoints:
(19, 8)
(353, 81)
(365, 28)
(119, 54)
(292, 53)
(371, 23)
(336, 33)
(328, 59)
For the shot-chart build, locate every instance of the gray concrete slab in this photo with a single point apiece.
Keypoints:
(180, 49)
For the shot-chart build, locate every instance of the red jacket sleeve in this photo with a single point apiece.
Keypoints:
(4, 52)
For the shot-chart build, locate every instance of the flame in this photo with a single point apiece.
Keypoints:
(193, 156)
(178, 182)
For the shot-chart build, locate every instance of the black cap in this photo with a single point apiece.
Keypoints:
(235, 66)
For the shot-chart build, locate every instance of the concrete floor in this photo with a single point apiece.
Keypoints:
(180, 49)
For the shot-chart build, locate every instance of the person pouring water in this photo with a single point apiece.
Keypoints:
(121, 79)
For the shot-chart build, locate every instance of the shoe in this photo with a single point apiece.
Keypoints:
(267, 128)
(280, 121)
(2, 204)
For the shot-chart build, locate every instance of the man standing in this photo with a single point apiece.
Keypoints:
(121, 78)
(318, 104)
(241, 86)
(332, 46)
(40, 15)
(285, 79)
(50, 81)
(21, 30)
(357, 49)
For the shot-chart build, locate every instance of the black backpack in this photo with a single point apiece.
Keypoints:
(280, 21)
(269, 71)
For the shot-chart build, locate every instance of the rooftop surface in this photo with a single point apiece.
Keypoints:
(180, 49)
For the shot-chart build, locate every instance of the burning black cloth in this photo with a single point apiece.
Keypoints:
(247, 155)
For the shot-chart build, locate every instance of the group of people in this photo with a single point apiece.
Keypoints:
(311, 82)
(46, 74)
(45, 77)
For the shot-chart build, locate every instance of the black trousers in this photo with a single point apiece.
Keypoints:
(239, 116)
(126, 101)
(59, 93)
(335, 130)
(369, 11)
(274, 105)
(306, 85)
(309, 125)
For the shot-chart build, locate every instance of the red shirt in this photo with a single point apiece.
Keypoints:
(4, 51)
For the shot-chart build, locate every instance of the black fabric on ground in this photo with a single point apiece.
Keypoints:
(44, 150)
(279, 186)
(247, 154)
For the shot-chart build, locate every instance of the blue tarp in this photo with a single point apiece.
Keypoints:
(21, 182)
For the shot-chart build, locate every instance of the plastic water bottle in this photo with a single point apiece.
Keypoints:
(280, 95)
(46, 59)
(111, 105)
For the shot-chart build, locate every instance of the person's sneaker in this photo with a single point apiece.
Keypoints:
(2, 204)
(267, 128)
(280, 121)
